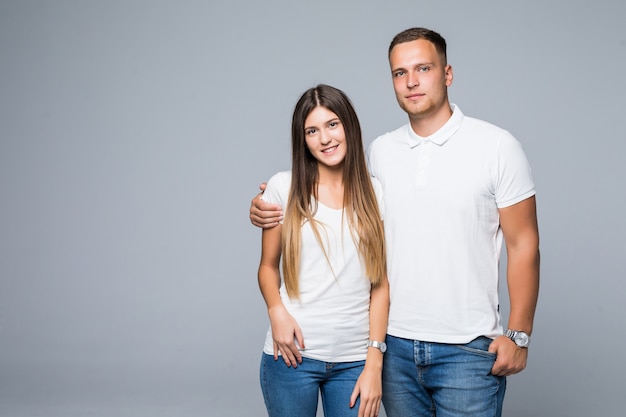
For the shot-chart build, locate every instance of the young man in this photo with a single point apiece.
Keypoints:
(454, 188)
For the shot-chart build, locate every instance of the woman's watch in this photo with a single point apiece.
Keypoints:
(382, 346)
(520, 338)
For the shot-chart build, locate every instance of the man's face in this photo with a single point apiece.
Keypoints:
(420, 79)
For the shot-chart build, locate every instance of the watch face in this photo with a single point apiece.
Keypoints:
(521, 339)
(383, 347)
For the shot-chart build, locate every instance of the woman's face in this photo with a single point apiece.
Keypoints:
(325, 137)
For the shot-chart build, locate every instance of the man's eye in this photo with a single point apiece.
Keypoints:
(398, 74)
(424, 69)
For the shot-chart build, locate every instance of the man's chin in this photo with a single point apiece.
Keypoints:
(417, 113)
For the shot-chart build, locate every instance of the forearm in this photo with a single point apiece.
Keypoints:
(379, 314)
(269, 284)
(269, 267)
(379, 311)
(523, 283)
(521, 234)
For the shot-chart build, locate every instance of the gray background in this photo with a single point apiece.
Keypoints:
(133, 135)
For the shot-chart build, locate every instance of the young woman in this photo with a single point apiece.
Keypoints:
(328, 314)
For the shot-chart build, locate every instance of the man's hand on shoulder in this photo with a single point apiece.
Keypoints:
(263, 214)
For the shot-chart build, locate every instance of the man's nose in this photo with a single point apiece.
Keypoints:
(412, 80)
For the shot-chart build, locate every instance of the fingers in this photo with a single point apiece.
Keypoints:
(259, 206)
(286, 354)
(291, 355)
(496, 369)
(265, 223)
(508, 368)
(286, 334)
(510, 359)
(354, 396)
(289, 352)
(300, 341)
(368, 407)
(263, 214)
(299, 338)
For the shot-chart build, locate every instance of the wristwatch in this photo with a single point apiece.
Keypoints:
(520, 338)
(378, 345)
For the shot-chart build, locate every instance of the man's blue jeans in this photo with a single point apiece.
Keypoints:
(423, 379)
(291, 392)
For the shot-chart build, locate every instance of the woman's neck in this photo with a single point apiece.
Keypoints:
(330, 187)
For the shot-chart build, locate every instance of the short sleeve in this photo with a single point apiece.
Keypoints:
(380, 198)
(277, 189)
(371, 163)
(514, 177)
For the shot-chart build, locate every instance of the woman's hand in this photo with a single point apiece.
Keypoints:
(286, 332)
(370, 388)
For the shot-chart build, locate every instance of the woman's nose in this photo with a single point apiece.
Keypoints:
(325, 138)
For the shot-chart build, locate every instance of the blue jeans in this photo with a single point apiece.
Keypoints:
(290, 392)
(424, 379)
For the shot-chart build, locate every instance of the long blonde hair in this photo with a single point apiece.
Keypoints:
(359, 200)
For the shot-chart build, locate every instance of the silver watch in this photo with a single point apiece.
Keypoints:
(382, 346)
(520, 338)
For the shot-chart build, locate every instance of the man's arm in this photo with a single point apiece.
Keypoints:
(263, 214)
(521, 235)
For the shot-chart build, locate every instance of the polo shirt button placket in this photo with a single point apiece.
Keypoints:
(422, 162)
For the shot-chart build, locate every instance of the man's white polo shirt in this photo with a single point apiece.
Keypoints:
(442, 195)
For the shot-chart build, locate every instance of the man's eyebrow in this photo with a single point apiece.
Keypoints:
(419, 64)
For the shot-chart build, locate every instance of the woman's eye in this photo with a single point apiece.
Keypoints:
(309, 132)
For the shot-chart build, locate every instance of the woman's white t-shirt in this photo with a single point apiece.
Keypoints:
(333, 309)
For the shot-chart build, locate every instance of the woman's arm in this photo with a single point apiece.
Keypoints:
(285, 329)
(369, 384)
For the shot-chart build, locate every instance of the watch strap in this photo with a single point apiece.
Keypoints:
(382, 346)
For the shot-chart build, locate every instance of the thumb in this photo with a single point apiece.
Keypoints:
(355, 395)
(299, 337)
(493, 347)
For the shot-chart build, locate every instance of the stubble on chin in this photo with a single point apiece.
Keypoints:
(417, 111)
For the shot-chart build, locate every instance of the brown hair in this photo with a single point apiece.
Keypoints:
(414, 34)
(359, 201)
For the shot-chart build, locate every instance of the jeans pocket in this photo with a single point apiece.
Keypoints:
(479, 347)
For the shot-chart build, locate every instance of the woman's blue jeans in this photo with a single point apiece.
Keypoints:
(291, 392)
(423, 379)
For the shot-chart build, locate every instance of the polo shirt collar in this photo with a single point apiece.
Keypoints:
(442, 135)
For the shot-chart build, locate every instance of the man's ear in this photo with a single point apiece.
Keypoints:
(449, 74)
